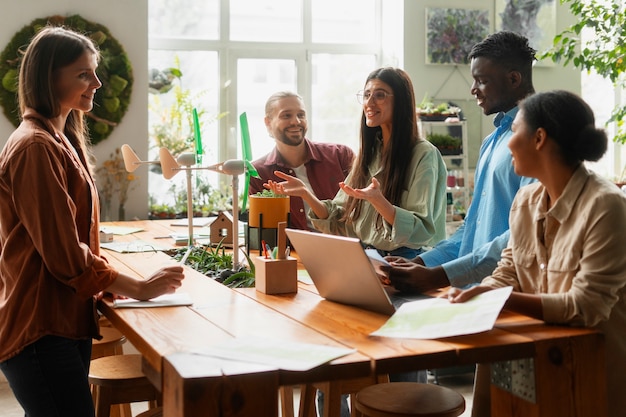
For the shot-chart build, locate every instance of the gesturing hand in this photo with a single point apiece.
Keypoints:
(370, 193)
(292, 186)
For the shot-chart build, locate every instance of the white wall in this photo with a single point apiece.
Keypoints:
(127, 21)
(453, 83)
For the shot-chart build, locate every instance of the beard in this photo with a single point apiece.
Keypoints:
(291, 139)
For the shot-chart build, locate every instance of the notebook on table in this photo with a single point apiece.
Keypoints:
(342, 272)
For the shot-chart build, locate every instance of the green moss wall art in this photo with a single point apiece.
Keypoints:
(115, 73)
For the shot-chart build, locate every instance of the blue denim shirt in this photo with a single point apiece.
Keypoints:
(474, 250)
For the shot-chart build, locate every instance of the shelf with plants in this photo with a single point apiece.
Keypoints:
(450, 137)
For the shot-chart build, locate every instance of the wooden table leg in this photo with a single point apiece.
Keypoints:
(193, 390)
(568, 378)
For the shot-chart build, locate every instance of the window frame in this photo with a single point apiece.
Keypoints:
(230, 51)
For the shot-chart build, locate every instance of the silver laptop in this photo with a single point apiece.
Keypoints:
(342, 271)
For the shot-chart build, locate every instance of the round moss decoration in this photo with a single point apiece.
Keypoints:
(115, 73)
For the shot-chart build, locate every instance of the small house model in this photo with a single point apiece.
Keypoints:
(222, 229)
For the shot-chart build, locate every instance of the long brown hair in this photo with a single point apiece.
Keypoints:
(50, 49)
(397, 155)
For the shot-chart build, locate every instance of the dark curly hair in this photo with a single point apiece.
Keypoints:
(509, 50)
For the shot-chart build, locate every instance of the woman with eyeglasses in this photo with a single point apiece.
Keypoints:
(394, 198)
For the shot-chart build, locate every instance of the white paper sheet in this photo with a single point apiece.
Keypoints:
(304, 277)
(133, 246)
(437, 317)
(377, 261)
(291, 356)
(165, 300)
(195, 222)
(120, 230)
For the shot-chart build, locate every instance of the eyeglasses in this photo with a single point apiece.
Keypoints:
(379, 96)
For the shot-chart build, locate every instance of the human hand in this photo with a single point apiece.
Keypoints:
(370, 193)
(164, 281)
(396, 259)
(411, 277)
(457, 295)
(291, 185)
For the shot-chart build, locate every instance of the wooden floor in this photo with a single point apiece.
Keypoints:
(9, 407)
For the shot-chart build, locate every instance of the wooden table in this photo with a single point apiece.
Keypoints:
(568, 375)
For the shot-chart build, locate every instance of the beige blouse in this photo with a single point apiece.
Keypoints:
(573, 255)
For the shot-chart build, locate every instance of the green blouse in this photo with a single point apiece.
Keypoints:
(420, 218)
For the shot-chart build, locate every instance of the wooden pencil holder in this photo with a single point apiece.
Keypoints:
(276, 276)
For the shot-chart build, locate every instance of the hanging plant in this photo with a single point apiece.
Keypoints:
(115, 73)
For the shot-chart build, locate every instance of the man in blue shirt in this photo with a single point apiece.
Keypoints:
(501, 67)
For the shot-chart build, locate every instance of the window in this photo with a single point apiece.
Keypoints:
(184, 18)
(234, 53)
(266, 20)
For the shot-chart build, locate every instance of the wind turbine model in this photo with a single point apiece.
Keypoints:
(184, 162)
(246, 153)
(170, 166)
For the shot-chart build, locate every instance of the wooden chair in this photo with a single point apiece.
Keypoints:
(409, 399)
(118, 379)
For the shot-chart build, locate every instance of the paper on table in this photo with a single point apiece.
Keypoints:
(165, 300)
(437, 317)
(132, 246)
(195, 222)
(304, 277)
(290, 356)
(204, 233)
(120, 230)
(377, 261)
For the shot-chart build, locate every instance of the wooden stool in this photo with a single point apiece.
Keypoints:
(110, 344)
(118, 379)
(154, 412)
(333, 390)
(285, 393)
(409, 399)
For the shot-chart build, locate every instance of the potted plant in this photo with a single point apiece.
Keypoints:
(273, 207)
(447, 144)
(429, 111)
(161, 211)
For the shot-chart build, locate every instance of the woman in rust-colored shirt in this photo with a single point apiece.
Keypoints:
(51, 269)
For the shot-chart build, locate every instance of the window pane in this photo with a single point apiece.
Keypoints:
(345, 21)
(266, 20)
(184, 18)
(336, 114)
(170, 113)
(257, 79)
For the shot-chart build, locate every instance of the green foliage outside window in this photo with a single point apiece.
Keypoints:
(605, 53)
